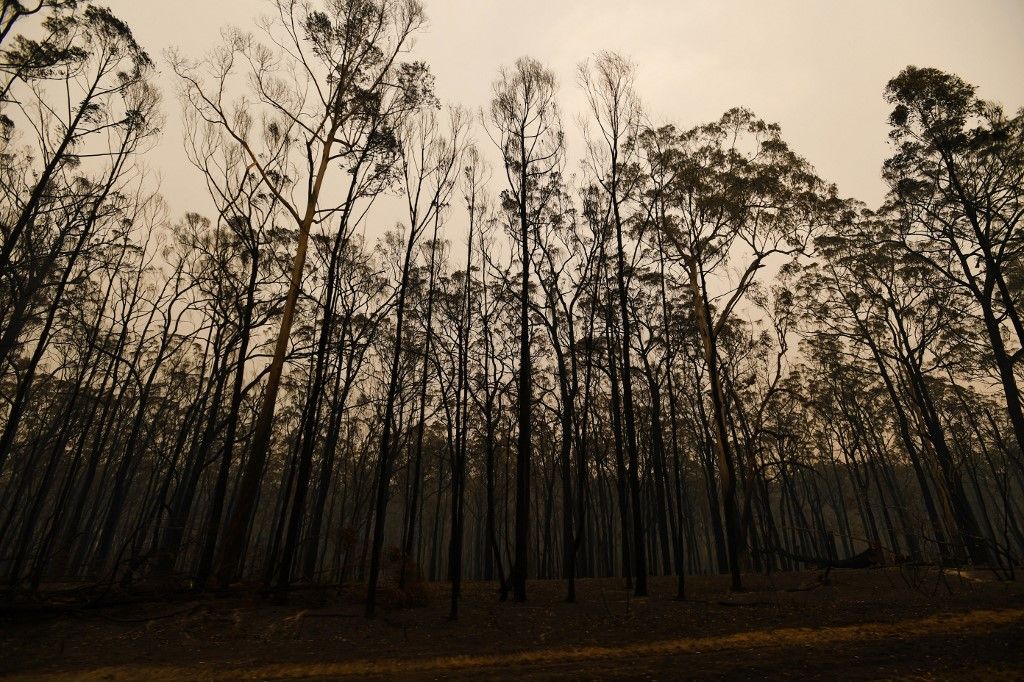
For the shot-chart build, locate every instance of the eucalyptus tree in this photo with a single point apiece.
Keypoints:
(309, 89)
(759, 384)
(169, 308)
(565, 264)
(616, 113)
(675, 328)
(649, 347)
(956, 179)
(118, 322)
(430, 173)
(854, 411)
(473, 181)
(244, 266)
(491, 383)
(740, 200)
(79, 337)
(59, 357)
(77, 110)
(430, 165)
(371, 171)
(597, 212)
(13, 11)
(361, 306)
(871, 291)
(525, 125)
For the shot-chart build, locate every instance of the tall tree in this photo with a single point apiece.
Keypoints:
(430, 171)
(328, 71)
(956, 180)
(615, 108)
(741, 201)
(527, 129)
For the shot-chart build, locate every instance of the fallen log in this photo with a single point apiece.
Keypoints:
(870, 558)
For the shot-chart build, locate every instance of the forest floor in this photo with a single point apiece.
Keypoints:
(919, 624)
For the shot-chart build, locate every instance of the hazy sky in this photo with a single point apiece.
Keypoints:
(816, 67)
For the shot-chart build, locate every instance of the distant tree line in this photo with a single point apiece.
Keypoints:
(688, 354)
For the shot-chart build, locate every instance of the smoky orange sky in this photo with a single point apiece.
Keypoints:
(816, 67)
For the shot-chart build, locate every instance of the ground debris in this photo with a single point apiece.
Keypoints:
(865, 623)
